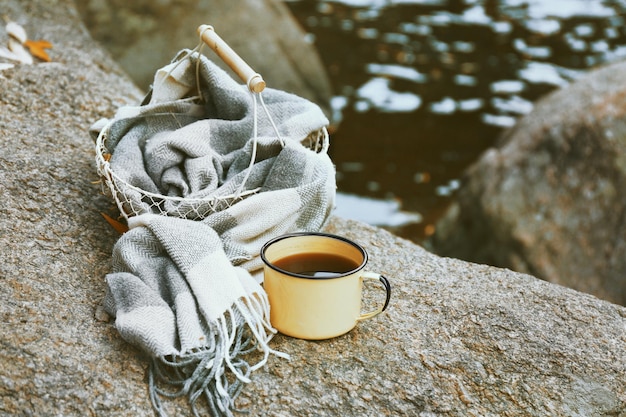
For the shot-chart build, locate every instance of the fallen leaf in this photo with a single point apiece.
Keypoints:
(37, 48)
(20, 52)
(121, 228)
(16, 31)
(5, 53)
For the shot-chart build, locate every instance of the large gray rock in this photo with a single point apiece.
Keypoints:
(459, 339)
(549, 200)
(145, 34)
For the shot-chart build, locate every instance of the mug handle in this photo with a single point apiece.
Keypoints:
(385, 282)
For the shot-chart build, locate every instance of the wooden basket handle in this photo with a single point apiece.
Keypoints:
(253, 80)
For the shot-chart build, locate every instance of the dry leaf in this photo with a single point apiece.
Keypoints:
(20, 52)
(16, 31)
(121, 228)
(5, 53)
(37, 48)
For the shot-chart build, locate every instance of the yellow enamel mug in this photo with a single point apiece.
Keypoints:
(308, 301)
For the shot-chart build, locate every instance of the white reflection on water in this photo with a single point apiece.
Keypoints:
(397, 71)
(384, 213)
(377, 94)
(538, 72)
(542, 17)
(537, 9)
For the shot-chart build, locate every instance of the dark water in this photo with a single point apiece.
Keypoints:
(424, 87)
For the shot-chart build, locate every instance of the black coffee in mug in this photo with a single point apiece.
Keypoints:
(317, 265)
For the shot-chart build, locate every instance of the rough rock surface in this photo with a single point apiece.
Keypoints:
(142, 35)
(549, 199)
(459, 339)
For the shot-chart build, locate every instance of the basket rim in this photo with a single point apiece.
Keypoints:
(111, 178)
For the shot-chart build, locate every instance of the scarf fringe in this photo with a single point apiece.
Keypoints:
(218, 370)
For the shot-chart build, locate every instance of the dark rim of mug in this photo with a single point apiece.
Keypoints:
(299, 234)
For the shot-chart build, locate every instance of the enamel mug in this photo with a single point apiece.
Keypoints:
(317, 303)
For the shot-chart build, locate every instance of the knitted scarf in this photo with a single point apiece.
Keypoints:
(204, 181)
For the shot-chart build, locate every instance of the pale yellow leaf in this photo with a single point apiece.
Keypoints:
(20, 51)
(16, 31)
(5, 53)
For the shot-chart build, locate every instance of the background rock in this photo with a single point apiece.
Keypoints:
(143, 35)
(549, 199)
(458, 339)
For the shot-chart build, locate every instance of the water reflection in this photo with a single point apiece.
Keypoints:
(424, 86)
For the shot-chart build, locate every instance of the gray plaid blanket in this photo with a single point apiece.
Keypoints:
(183, 289)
